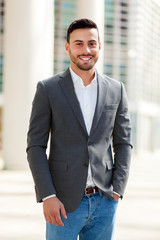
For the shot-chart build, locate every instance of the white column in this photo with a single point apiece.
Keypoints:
(28, 59)
(94, 10)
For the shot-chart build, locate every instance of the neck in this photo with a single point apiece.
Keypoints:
(86, 76)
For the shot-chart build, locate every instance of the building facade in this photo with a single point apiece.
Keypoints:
(144, 73)
(131, 54)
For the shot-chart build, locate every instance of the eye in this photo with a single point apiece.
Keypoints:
(79, 44)
(92, 44)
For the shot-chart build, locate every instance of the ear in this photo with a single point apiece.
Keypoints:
(100, 45)
(67, 47)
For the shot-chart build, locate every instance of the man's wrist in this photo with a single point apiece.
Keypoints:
(50, 196)
(117, 193)
(116, 196)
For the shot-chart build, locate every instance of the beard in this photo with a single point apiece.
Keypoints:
(83, 66)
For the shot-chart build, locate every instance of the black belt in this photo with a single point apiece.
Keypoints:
(91, 190)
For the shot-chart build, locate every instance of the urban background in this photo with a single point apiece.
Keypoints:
(32, 38)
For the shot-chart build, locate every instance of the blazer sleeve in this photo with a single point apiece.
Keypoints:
(121, 145)
(37, 139)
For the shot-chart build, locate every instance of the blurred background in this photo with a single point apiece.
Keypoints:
(32, 38)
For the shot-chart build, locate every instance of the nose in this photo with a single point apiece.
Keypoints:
(86, 49)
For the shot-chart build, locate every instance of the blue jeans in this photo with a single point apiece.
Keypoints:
(93, 220)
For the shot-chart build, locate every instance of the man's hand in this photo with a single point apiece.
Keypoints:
(52, 207)
(116, 196)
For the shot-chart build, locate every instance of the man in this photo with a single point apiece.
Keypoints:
(84, 113)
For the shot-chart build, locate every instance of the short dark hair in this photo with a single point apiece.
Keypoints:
(81, 23)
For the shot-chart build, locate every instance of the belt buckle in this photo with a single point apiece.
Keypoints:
(93, 191)
(85, 191)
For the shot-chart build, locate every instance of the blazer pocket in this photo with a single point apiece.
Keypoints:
(58, 166)
(110, 107)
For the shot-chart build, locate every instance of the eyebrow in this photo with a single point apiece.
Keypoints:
(83, 41)
(78, 41)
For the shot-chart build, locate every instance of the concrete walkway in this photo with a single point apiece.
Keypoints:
(138, 216)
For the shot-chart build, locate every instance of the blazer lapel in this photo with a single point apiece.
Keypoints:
(69, 92)
(101, 96)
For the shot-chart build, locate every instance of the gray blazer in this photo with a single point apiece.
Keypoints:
(56, 113)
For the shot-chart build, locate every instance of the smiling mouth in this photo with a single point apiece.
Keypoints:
(85, 58)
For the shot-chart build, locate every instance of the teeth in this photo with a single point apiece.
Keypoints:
(85, 59)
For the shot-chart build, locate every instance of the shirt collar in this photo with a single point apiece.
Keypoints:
(77, 79)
